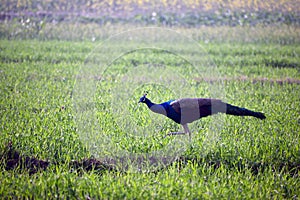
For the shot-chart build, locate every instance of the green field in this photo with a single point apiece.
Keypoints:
(243, 158)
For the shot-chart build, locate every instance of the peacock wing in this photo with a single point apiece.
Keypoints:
(192, 109)
(193, 103)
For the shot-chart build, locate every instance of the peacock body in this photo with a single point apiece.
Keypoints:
(187, 110)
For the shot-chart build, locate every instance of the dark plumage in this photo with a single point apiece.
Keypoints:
(187, 110)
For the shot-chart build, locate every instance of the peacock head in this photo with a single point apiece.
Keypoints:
(143, 98)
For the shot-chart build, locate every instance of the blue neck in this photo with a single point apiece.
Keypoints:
(164, 109)
(148, 102)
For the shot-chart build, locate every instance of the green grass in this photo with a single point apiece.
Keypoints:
(245, 158)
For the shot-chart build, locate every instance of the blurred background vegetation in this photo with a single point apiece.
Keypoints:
(81, 19)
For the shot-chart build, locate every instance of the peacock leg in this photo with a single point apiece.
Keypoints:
(176, 133)
(186, 131)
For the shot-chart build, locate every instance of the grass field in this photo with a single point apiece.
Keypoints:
(244, 158)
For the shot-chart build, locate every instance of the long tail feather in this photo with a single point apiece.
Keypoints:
(234, 110)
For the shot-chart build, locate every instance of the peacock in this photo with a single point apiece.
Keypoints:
(187, 110)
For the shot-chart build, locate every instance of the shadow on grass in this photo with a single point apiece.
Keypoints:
(290, 168)
(13, 160)
(282, 64)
